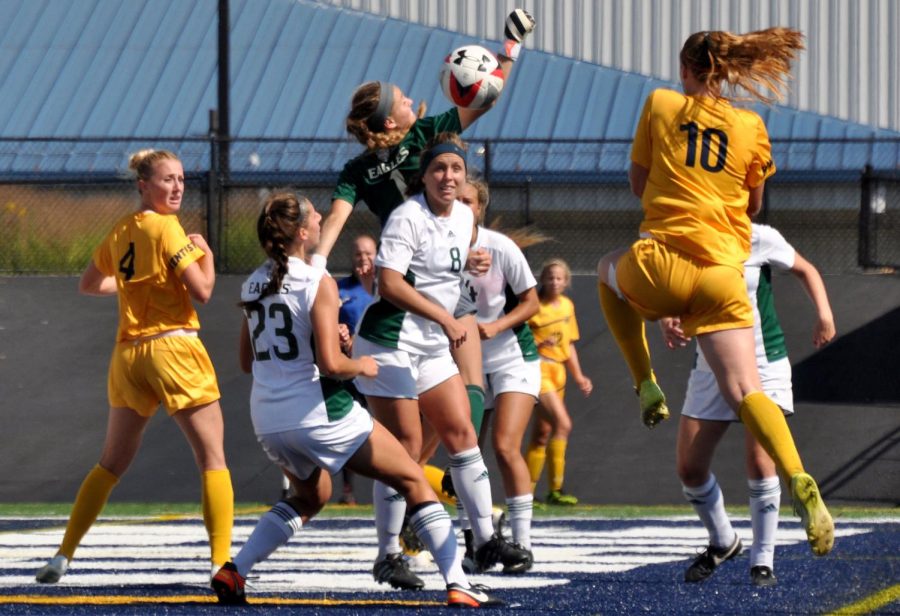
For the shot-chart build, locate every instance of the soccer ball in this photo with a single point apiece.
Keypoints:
(471, 77)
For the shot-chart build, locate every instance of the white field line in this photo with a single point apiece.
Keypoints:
(323, 558)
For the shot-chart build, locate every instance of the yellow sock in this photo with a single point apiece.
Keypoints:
(535, 457)
(766, 422)
(556, 465)
(218, 513)
(435, 476)
(92, 497)
(627, 327)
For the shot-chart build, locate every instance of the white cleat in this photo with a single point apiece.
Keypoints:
(53, 570)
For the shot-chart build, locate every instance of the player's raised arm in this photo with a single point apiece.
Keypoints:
(519, 24)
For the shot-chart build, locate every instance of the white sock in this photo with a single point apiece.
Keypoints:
(274, 529)
(765, 498)
(710, 506)
(462, 517)
(390, 507)
(473, 488)
(520, 510)
(432, 525)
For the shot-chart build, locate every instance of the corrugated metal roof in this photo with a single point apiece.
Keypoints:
(107, 68)
(848, 69)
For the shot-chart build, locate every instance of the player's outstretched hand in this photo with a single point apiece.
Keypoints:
(519, 24)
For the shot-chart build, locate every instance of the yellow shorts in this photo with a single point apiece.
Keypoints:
(553, 377)
(662, 281)
(174, 370)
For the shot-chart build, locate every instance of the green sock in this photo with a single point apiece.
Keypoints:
(476, 404)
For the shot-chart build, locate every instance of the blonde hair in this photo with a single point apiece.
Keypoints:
(281, 217)
(523, 237)
(545, 268)
(362, 105)
(753, 61)
(143, 161)
(482, 194)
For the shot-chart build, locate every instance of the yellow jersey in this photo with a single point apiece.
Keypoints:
(147, 252)
(554, 328)
(704, 156)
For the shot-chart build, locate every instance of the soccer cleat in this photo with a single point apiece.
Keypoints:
(468, 561)
(55, 568)
(762, 576)
(229, 585)
(709, 559)
(653, 403)
(499, 550)
(409, 541)
(498, 519)
(814, 517)
(473, 596)
(522, 567)
(393, 570)
(447, 483)
(557, 497)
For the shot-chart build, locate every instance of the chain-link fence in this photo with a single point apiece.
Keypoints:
(58, 198)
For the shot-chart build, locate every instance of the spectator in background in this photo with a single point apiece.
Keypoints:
(356, 291)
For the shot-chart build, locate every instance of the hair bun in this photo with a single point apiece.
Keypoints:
(135, 160)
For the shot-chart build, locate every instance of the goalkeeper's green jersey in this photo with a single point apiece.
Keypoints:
(379, 177)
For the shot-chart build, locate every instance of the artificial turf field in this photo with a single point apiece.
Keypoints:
(589, 560)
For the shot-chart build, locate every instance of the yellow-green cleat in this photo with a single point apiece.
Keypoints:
(814, 516)
(653, 403)
(558, 497)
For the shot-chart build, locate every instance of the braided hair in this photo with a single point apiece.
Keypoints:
(283, 215)
(752, 61)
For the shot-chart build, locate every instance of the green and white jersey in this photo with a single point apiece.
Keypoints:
(430, 251)
(497, 293)
(380, 177)
(288, 392)
(768, 249)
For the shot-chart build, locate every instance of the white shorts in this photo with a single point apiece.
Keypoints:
(327, 446)
(703, 399)
(522, 377)
(402, 374)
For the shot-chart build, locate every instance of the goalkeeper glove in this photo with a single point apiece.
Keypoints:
(518, 25)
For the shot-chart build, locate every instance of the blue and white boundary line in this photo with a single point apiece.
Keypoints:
(333, 557)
